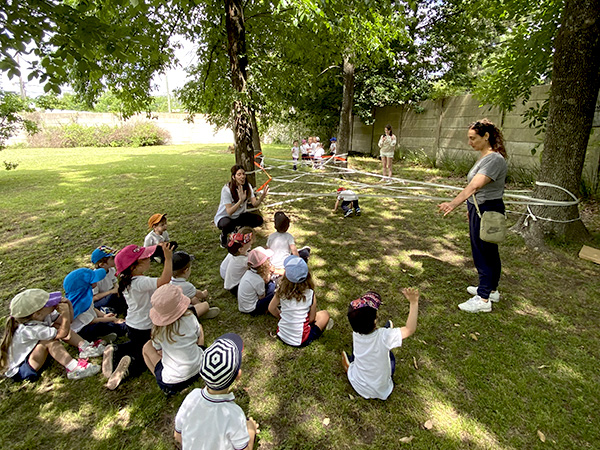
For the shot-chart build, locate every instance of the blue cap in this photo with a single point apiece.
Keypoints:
(78, 287)
(102, 252)
(296, 269)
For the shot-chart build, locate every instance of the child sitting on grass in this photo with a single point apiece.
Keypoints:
(282, 243)
(299, 321)
(158, 233)
(371, 367)
(106, 292)
(182, 268)
(37, 323)
(174, 353)
(235, 264)
(349, 201)
(208, 418)
(256, 288)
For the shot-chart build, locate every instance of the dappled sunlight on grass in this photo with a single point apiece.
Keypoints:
(111, 424)
(527, 307)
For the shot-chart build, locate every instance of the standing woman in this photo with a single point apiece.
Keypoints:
(387, 147)
(486, 181)
(232, 208)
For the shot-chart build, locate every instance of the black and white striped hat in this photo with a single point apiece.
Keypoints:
(222, 361)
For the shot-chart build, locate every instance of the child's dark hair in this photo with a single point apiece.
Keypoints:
(125, 278)
(282, 222)
(177, 273)
(362, 320)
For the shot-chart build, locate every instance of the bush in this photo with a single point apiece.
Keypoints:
(135, 134)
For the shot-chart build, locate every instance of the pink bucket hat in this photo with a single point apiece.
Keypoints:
(258, 256)
(168, 304)
(130, 254)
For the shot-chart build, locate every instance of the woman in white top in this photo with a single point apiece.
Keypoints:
(232, 208)
(387, 147)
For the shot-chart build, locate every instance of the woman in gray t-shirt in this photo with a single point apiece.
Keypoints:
(486, 182)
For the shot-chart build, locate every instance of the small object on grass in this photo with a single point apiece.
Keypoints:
(473, 336)
(326, 421)
(541, 436)
(415, 363)
(406, 439)
(590, 254)
(457, 324)
(543, 366)
(428, 425)
(351, 396)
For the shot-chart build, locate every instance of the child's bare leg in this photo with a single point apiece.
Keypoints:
(73, 339)
(201, 308)
(321, 319)
(38, 355)
(58, 352)
(151, 356)
(200, 340)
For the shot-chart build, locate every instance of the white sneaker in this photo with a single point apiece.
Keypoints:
(476, 304)
(494, 296)
(91, 350)
(84, 369)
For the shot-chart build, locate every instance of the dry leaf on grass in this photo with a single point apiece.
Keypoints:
(457, 324)
(473, 336)
(326, 421)
(428, 425)
(543, 366)
(351, 396)
(406, 439)
(541, 436)
(415, 363)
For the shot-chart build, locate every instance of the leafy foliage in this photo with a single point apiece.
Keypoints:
(11, 120)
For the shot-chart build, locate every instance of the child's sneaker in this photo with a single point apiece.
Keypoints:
(389, 324)
(357, 211)
(476, 304)
(212, 312)
(91, 350)
(107, 361)
(119, 373)
(348, 213)
(329, 324)
(494, 296)
(82, 370)
(108, 339)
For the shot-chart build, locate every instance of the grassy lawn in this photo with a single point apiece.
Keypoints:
(486, 381)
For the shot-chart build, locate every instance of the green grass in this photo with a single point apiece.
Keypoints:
(533, 366)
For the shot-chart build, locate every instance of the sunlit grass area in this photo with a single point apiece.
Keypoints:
(486, 381)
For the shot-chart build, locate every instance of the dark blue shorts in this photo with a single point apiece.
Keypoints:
(314, 333)
(26, 372)
(172, 389)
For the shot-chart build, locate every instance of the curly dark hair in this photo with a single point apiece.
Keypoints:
(495, 135)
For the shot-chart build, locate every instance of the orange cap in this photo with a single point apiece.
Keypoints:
(155, 219)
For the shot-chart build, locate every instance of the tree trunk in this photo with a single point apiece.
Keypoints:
(575, 84)
(238, 61)
(344, 134)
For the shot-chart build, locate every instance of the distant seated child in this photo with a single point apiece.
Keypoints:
(295, 305)
(295, 153)
(182, 269)
(106, 292)
(208, 418)
(174, 353)
(90, 323)
(235, 264)
(256, 288)
(318, 155)
(37, 323)
(158, 233)
(349, 201)
(371, 367)
(282, 243)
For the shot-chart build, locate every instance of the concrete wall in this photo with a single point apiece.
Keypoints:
(182, 132)
(439, 129)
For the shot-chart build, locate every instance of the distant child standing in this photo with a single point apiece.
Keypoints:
(282, 243)
(295, 153)
(256, 288)
(158, 233)
(90, 323)
(349, 201)
(37, 323)
(182, 269)
(318, 155)
(236, 261)
(333, 146)
(106, 292)
(371, 367)
(132, 263)
(299, 321)
(304, 150)
(208, 418)
(174, 354)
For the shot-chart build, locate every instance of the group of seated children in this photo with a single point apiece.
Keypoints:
(311, 151)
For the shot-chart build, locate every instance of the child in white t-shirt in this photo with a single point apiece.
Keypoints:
(295, 305)
(158, 233)
(256, 288)
(106, 292)
(349, 201)
(333, 146)
(295, 153)
(235, 264)
(182, 269)
(174, 354)
(318, 155)
(282, 243)
(371, 366)
(304, 150)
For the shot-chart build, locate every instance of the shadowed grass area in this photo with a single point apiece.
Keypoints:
(486, 381)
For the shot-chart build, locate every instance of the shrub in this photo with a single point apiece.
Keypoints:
(135, 134)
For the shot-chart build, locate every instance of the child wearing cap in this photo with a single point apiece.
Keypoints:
(158, 233)
(371, 367)
(208, 418)
(37, 323)
(256, 288)
(106, 292)
(132, 263)
(174, 353)
(90, 323)
(295, 305)
(282, 243)
(349, 201)
(236, 261)
(332, 146)
(182, 269)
